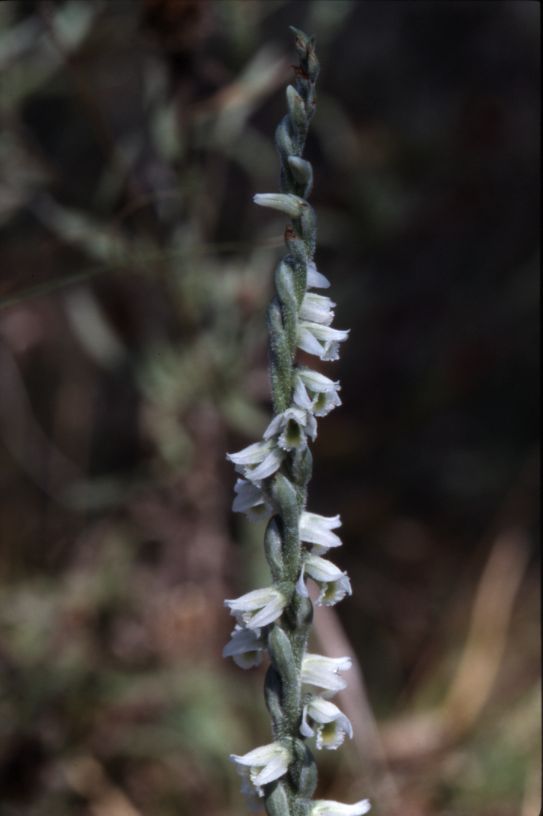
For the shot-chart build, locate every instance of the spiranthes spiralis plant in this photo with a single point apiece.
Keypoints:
(274, 474)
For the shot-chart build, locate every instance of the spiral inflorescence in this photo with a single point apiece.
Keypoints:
(273, 484)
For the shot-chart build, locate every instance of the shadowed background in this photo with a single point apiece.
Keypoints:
(134, 278)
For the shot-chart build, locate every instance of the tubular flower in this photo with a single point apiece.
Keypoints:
(327, 721)
(245, 647)
(334, 584)
(323, 341)
(257, 461)
(316, 393)
(250, 500)
(258, 608)
(317, 530)
(293, 427)
(325, 807)
(263, 765)
(317, 308)
(324, 671)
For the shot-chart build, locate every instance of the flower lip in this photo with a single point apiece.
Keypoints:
(330, 724)
(292, 427)
(333, 582)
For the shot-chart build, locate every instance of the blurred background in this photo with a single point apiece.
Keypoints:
(134, 278)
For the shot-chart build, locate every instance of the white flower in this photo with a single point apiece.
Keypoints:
(317, 530)
(316, 393)
(258, 608)
(257, 461)
(320, 340)
(328, 721)
(287, 203)
(245, 647)
(292, 426)
(318, 308)
(325, 807)
(263, 764)
(324, 671)
(314, 278)
(316, 381)
(250, 500)
(334, 584)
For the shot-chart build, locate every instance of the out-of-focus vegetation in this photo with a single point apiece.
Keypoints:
(134, 274)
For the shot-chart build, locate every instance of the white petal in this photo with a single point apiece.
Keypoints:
(258, 756)
(301, 397)
(317, 308)
(314, 278)
(269, 613)
(326, 333)
(253, 600)
(320, 340)
(301, 588)
(320, 569)
(315, 529)
(311, 427)
(251, 455)
(245, 647)
(305, 728)
(325, 807)
(308, 342)
(332, 724)
(268, 466)
(247, 496)
(317, 381)
(323, 711)
(274, 769)
(289, 204)
(274, 427)
(263, 764)
(323, 671)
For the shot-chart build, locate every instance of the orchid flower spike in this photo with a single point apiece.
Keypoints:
(273, 485)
